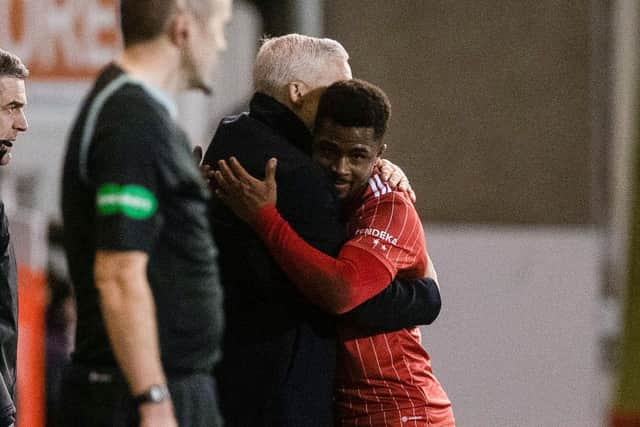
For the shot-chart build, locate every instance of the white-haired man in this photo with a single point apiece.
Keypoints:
(137, 238)
(13, 99)
(279, 348)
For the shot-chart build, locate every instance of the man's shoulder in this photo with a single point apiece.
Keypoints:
(113, 83)
(132, 100)
(129, 123)
(244, 125)
(118, 113)
(251, 140)
(130, 110)
(237, 127)
(118, 93)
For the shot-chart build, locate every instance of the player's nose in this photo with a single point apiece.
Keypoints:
(340, 166)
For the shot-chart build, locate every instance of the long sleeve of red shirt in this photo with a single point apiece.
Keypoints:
(335, 284)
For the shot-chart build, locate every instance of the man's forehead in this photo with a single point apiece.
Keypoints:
(12, 90)
(11, 84)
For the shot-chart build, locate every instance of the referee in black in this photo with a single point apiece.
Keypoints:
(138, 245)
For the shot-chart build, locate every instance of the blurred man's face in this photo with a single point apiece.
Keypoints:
(13, 99)
(349, 153)
(206, 43)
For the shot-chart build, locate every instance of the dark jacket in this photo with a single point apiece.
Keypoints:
(279, 350)
(8, 324)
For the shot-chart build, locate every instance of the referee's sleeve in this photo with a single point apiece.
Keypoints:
(124, 166)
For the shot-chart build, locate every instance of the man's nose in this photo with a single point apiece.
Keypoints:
(20, 122)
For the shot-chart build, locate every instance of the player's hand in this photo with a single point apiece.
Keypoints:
(395, 177)
(205, 170)
(157, 415)
(241, 192)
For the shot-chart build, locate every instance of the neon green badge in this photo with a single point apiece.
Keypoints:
(132, 201)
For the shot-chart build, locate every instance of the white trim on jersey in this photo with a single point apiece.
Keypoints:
(378, 187)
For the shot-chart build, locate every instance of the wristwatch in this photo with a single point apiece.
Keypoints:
(154, 394)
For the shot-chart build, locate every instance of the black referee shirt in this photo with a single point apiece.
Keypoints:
(136, 187)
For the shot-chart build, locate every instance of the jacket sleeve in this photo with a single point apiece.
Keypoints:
(402, 304)
(8, 324)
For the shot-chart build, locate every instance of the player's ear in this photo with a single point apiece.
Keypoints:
(381, 149)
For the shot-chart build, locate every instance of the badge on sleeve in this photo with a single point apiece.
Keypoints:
(132, 201)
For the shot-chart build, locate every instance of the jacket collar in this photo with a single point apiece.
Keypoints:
(281, 119)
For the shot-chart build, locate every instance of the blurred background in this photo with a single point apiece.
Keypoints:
(516, 123)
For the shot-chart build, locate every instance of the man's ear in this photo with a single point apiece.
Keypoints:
(179, 29)
(295, 92)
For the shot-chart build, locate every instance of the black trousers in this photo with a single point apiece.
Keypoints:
(101, 398)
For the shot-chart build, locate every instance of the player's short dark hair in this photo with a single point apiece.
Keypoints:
(144, 20)
(355, 103)
(11, 65)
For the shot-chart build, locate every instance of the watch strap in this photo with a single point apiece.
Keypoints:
(156, 393)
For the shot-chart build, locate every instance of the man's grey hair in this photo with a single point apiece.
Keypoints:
(293, 57)
(11, 65)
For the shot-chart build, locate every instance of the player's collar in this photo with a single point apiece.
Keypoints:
(376, 186)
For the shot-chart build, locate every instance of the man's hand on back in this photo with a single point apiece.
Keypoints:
(395, 177)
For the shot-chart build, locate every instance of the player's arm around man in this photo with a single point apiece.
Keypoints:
(338, 285)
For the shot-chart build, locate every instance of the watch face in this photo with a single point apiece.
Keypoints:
(156, 393)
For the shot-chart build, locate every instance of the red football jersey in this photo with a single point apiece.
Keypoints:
(386, 379)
